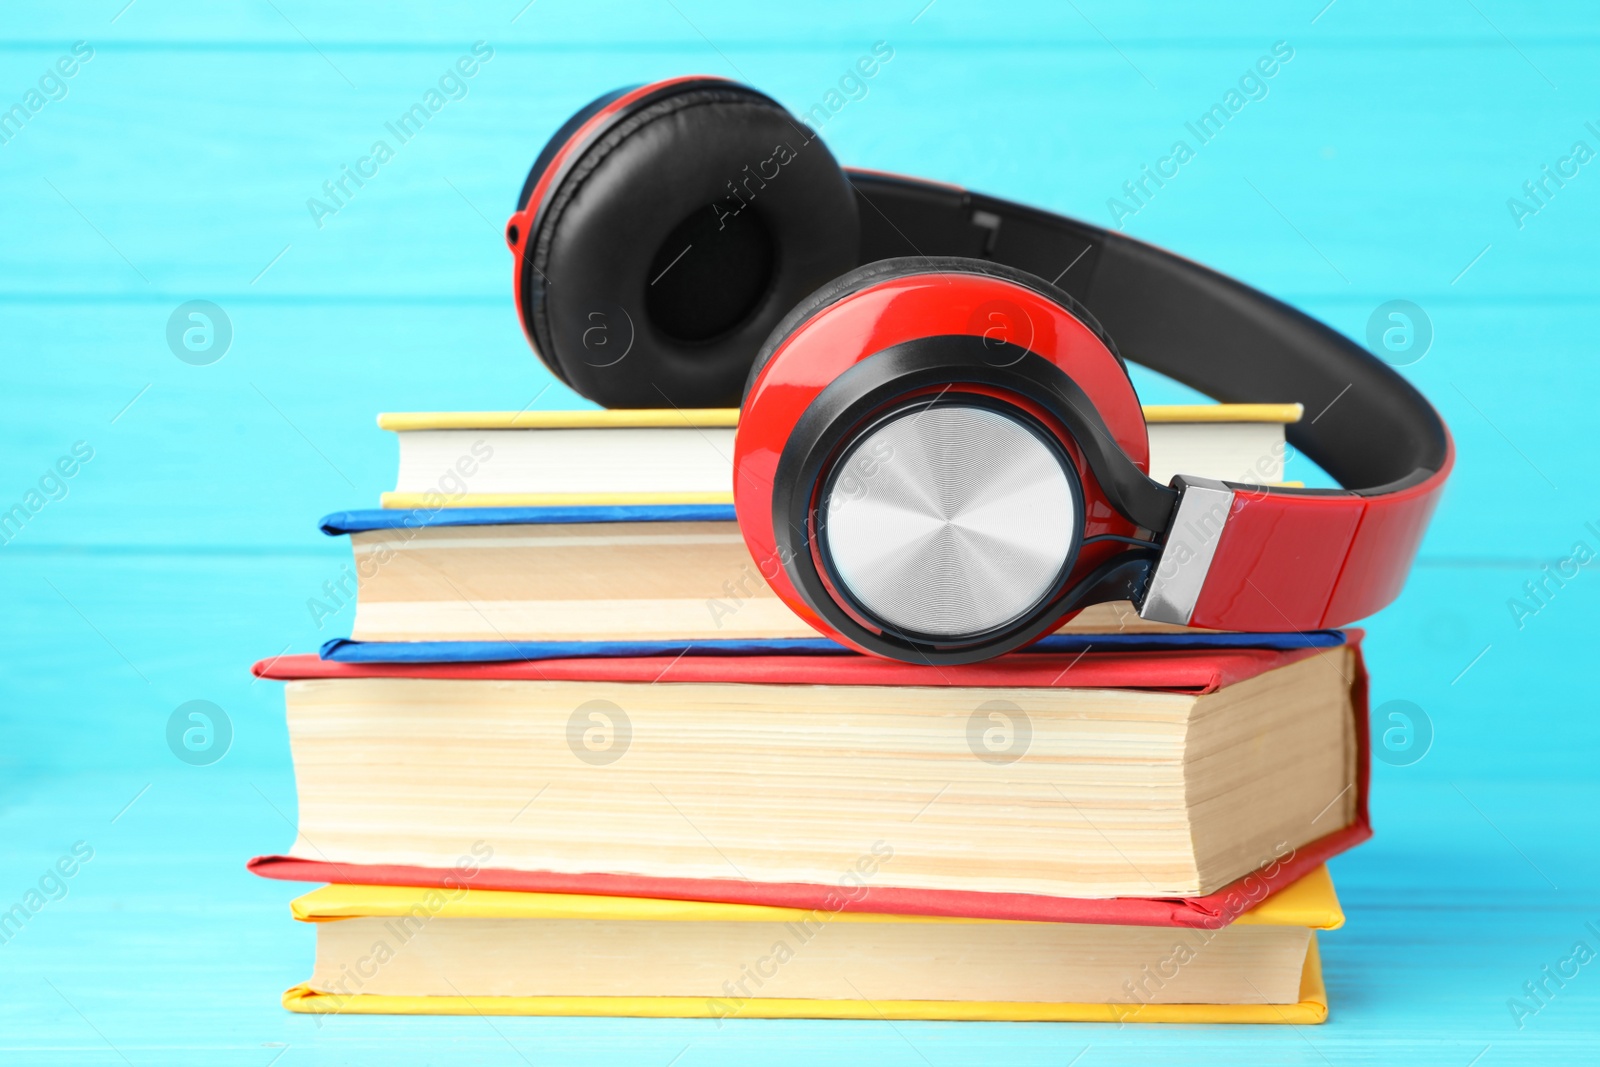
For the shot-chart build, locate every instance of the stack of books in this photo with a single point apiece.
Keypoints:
(576, 759)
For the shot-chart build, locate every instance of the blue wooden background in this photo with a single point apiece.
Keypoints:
(177, 166)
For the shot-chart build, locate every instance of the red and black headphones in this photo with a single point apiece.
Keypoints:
(940, 456)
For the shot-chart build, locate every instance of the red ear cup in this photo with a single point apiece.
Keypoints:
(665, 230)
(909, 472)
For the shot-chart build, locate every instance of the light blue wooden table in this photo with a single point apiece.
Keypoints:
(175, 165)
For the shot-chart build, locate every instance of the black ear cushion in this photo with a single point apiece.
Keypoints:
(562, 136)
(723, 172)
(886, 269)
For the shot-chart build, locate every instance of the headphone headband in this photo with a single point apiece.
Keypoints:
(1236, 556)
(1234, 343)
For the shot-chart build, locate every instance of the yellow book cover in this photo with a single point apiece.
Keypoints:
(674, 456)
(477, 930)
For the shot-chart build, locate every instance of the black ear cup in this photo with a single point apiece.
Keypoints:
(674, 239)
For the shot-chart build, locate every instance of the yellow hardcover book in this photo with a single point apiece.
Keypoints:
(673, 456)
(409, 951)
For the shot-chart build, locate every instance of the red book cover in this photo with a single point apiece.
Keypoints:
(1188, 672)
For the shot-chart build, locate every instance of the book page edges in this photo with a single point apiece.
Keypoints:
(1311, 1009)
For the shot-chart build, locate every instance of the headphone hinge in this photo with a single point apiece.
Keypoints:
(1191, 542)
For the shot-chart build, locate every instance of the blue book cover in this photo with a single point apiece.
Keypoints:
(347, 650)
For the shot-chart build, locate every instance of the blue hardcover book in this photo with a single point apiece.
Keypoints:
(487, 584)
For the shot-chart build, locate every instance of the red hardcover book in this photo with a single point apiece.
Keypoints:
(1193, 672)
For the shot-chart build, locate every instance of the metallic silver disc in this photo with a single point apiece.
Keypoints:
(949, 520)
